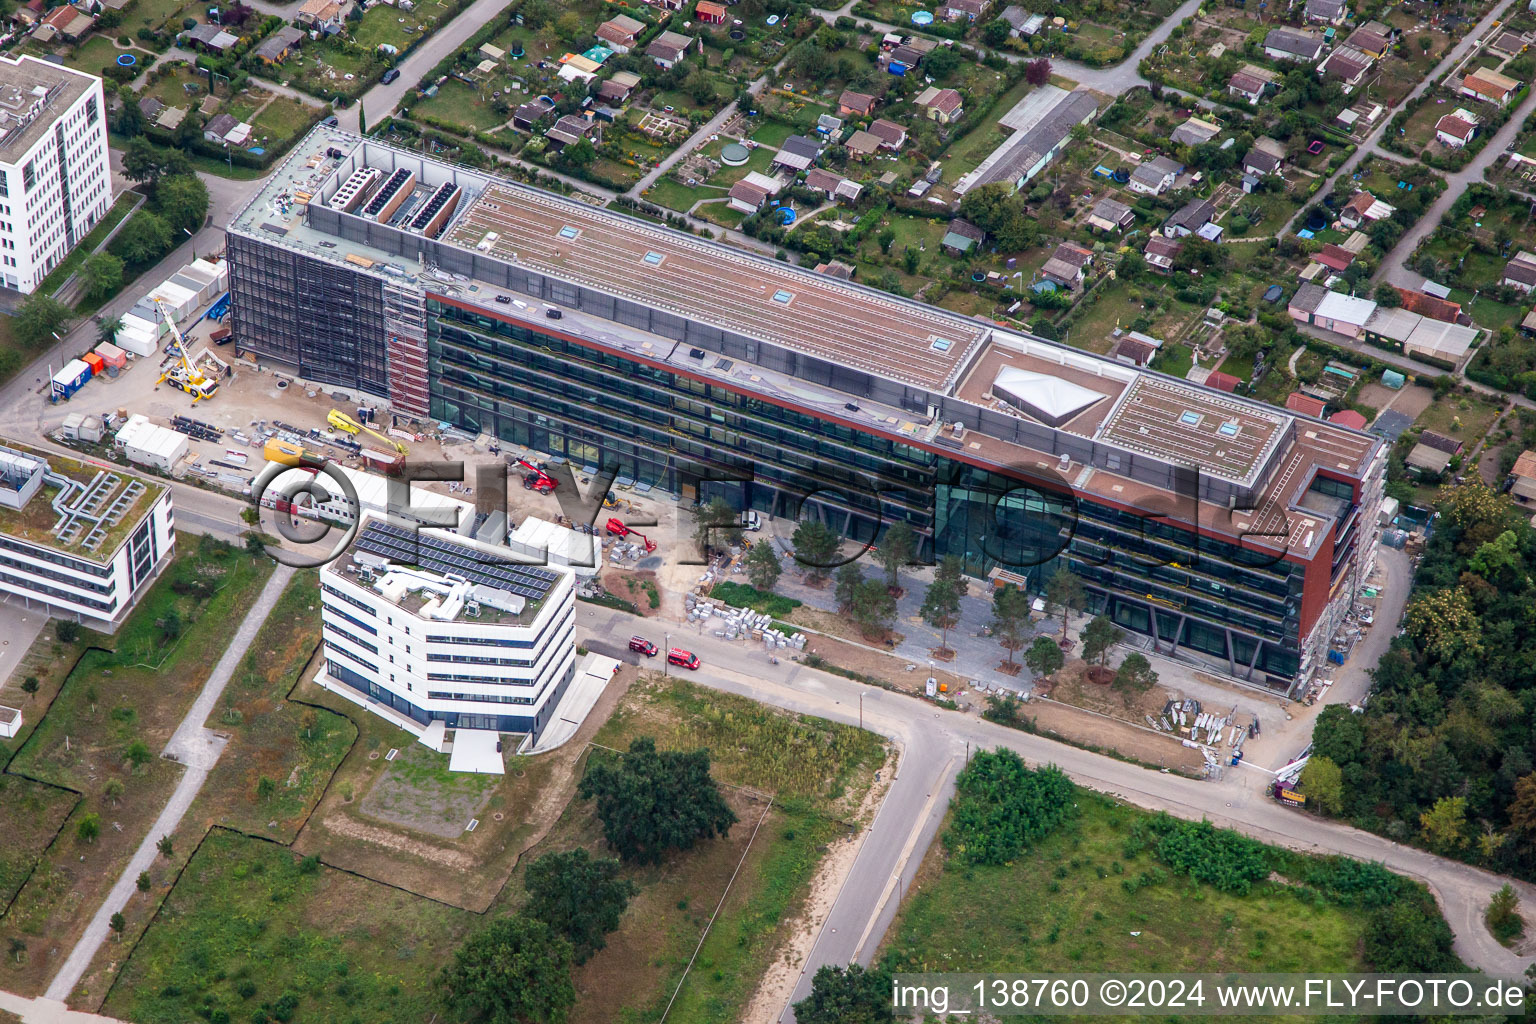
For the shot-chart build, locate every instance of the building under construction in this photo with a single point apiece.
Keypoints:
(1224, 530)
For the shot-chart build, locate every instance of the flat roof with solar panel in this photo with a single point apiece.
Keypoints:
(469, 560)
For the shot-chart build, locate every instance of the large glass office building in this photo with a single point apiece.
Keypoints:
(1224, 530)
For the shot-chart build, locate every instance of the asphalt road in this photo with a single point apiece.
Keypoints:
(933, 745)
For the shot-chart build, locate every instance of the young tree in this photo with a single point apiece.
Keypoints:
(103, 274)
(1134, 676)
(816, 549)
(117, 923)
(847, 995)
(89, 828)
(113, 790)
(952, 568)
(941, 609)
(1044, 657)
(897, 550)
(873, 609)
(514, 971)
(1099, 636)
(1010, 618)
(37, 318)
(1503, 913)
(1323, 783)
(29, 686)
(107, 328)
(715, 525)
(763, 566)
(144, 882)
(163, 844)
(1037, 72)
(1064, 592)
(579, 897)
(848, 580)
(138, 754)
(651, 803)
(67, 630)
(266, 789)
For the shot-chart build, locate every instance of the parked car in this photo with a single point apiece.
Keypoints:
(553, 314)
(390, 75)
(683, 659)
(751, 521)
(643, 646)
(505, 300)
(331, 122)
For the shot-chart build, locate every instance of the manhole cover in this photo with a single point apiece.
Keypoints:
(373, 755)
(497, 816)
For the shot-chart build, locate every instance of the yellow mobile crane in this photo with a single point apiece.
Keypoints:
(341, 421)
(183, 374)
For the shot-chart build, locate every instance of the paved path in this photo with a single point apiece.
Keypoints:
(48, 1011)
(198, 749)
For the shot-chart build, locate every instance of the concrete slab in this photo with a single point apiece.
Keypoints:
(19, 627)
(592, 677)
(477, 751)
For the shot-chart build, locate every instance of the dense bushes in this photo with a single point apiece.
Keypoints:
(1220, 857)
(1001, 807)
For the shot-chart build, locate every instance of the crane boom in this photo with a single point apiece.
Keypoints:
(185, 376)
(341, 421)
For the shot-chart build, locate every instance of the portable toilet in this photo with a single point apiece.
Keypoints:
(1393, 379)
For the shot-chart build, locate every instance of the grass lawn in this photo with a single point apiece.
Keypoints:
(100, 51)
(1464, 417)
(1491, 314)
(1112, 307)
(1065, 906)
(387, 24)
(1174, 359)
(250, 924)
(171, 90)
(773, 132)
(456, 103)
(674, 195)
(151, 13)
(33, 812)
(91, 726)
(282, 120)
(720, 213)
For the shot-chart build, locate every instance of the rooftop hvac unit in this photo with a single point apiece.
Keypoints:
(1065, 463)
(431, 218)
(388, 199)
(355, 189)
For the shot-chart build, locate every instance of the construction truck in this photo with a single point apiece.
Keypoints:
(537, 478)
(183, 374)
(341, 421)
(617, 528)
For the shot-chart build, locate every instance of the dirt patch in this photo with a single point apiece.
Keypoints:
(416, 791)
(1077, 726)
(779, 981)
(531, 797)
(888, 668)
(636, 587)
(837, 625)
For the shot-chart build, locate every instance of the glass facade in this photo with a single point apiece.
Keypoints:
(658, 427)
(321, 319)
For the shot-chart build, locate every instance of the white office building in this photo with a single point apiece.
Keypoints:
(437, 632)
(81, 541)
(55, 182)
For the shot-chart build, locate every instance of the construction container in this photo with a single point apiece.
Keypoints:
(178, 300)
(201, 289)
(81, 427)
(70, 379)
(112, 355)
(149, 313)
(219, 269)
(139, 338)
(150, 444)
(95, 362)
(388, 463)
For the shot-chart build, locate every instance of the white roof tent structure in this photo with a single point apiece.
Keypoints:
(1048, 399)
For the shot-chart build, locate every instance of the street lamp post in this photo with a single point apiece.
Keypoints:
(666, 646)
(861, 709)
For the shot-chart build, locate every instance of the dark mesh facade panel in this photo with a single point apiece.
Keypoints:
(325, 321)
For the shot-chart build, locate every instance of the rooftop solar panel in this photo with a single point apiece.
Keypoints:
(410, 547)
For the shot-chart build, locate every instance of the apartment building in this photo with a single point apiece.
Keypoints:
(1227, 531)
(437, 631)
(55, 182)
(82, 542)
